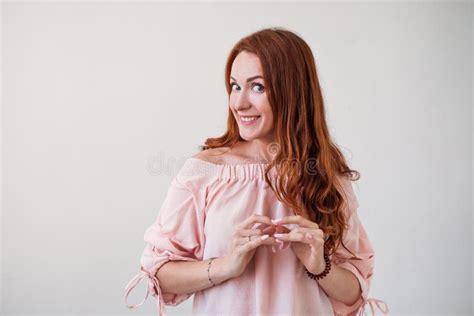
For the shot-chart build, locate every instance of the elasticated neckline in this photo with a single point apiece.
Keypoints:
(226, 171)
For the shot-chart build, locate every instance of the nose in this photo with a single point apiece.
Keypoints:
(241, 102)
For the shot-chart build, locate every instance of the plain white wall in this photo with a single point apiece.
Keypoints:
(98, 97)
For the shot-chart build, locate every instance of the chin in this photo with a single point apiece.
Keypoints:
(249, 138)
(246, 137)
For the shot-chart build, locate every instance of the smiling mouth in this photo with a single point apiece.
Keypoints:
(247, 119)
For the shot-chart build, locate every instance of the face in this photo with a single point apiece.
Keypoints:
(248, 98)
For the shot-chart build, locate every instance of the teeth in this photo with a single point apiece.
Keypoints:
(248, 119)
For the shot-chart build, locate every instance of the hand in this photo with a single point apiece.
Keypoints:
(272, 229)
(307, 242)
(241, 250)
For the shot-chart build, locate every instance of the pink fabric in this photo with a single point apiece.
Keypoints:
(203, 204)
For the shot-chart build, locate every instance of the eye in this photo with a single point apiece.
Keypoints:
(262, 88)
(232, 84)
(259, 85)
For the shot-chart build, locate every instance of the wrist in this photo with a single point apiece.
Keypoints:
(319, 267)
(225, 269)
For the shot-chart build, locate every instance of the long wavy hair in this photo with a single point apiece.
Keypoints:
(307, 160)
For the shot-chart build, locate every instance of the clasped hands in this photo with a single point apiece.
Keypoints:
(306, 241)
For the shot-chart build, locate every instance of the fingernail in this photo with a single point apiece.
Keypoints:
(273, 249)
(264, 237)
(276, 221)
(278, 235)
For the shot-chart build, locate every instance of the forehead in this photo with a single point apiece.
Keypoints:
(246, 65)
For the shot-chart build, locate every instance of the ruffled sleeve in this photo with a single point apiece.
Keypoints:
(177, 234)
(362, 266)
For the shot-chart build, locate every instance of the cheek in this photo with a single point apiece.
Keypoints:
(231, 102)
(263, 106)
(267, 113)
(268, 122)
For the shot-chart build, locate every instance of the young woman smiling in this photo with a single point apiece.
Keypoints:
(217, 234)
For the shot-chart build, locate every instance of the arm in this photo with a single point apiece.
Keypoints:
(360, 266)
(182, 277)
(340, 284)
(177, 235)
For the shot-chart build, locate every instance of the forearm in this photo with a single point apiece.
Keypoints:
(340, 284)
(182, 277)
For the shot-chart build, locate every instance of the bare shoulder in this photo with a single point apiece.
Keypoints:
(214, 155)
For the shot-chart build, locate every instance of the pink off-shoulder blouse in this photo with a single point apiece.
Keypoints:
(203, 204)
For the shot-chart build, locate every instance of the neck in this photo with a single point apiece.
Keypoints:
(260, 150)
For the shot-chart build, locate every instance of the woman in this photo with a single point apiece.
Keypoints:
(216, 235)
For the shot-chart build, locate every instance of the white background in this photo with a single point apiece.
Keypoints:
(97, 97)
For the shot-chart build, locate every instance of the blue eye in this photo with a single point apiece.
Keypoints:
(259, 85)
(253, 85)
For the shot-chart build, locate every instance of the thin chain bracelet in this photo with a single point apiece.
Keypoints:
(322, 274)
(209, 268)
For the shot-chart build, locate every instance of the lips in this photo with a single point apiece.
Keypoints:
(248, 120)
(249, 117)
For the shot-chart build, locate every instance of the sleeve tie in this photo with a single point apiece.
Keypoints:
(153, 283)
(371, 302)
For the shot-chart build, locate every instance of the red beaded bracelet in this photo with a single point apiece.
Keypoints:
(322, 274)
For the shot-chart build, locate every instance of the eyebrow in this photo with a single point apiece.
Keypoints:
(249, 79)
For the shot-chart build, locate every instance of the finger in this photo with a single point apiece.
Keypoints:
(246, 239)
(315, 233)
(318, 233)
(247, 232)
(270, 230)
(291, 237)
(260, 226)
(296, 219)
(268, 241)
(254, 242)
(281, 243)
(254, 218)
(241, 236)
(281, 229)
(271, 241)
(304, 235)
(257, 241)
(294, 238)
